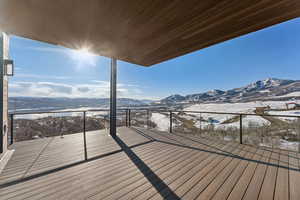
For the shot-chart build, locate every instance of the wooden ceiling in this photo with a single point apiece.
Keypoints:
(143, 32)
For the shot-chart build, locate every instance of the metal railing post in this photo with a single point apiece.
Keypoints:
(148, 118)
(165, 112)
(200, 128)
(126, 118)
(113, 99)
(129, 117)
(11, 129)
(84, 135)
(298, 132)
(241, 129)
(171, 122)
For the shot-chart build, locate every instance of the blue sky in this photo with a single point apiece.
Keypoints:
(44, 70)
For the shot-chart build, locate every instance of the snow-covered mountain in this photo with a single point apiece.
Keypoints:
(174, 98)
(268, 89)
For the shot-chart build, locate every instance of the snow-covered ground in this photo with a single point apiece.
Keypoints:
(31, 116)
(89, 113)
(189, 117)
(247, 122)
(284, 144)
(289, 113)
(64, 113)
(162, 121)
(248, 107)
(44, 115)
(292, 94)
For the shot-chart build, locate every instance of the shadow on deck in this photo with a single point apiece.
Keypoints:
(145, 164)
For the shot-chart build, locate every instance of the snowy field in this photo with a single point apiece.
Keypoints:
(247, 122)
(162, 121)
(226, 122)
(219, 121)
(65, 113)
(289, 113)
(248, 107)
(292, 94)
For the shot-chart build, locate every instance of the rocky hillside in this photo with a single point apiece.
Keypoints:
(268, 89)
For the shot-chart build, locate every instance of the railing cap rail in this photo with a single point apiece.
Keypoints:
(152, 110)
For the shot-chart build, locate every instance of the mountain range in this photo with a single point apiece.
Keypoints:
(38, 103)
(268, 89)
(262, 90)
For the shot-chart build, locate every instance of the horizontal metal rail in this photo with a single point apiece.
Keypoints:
(152, 110)
(129, 111)
(60, 111)
(238, 113)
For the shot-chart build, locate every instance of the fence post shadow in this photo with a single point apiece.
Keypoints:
(153, 178)
(224, 153)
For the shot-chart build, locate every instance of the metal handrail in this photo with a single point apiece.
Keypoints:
(129, 118)
(237, 113)
(155, 110)
(60, 111)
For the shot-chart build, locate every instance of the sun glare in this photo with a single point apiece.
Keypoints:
(83, 57)
(84, 53)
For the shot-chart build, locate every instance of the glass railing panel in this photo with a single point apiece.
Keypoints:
(280, 132)
(139, 118)
(159, 120)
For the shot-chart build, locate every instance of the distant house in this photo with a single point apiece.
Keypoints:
(292, 105)
(262, 109)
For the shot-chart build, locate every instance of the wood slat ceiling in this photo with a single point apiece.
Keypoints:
(143, 32)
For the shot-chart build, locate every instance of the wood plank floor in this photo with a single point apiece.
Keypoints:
(149, 165)
(36, 156)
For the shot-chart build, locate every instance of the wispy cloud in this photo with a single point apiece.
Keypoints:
(36, 76)
(89, 90)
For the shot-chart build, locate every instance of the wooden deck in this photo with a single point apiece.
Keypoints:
(143, 164)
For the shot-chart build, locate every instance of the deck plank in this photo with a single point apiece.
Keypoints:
(241, 186)
(255, 185)
(168, 178)
(131, 176)
(155, 166)
(187, 166)
(50, 153)
(214, 186)
(294, 176)
(213, 172)
(192, 178)
(232, 180)
(146, 150)
(87, 173)
(282, 182)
